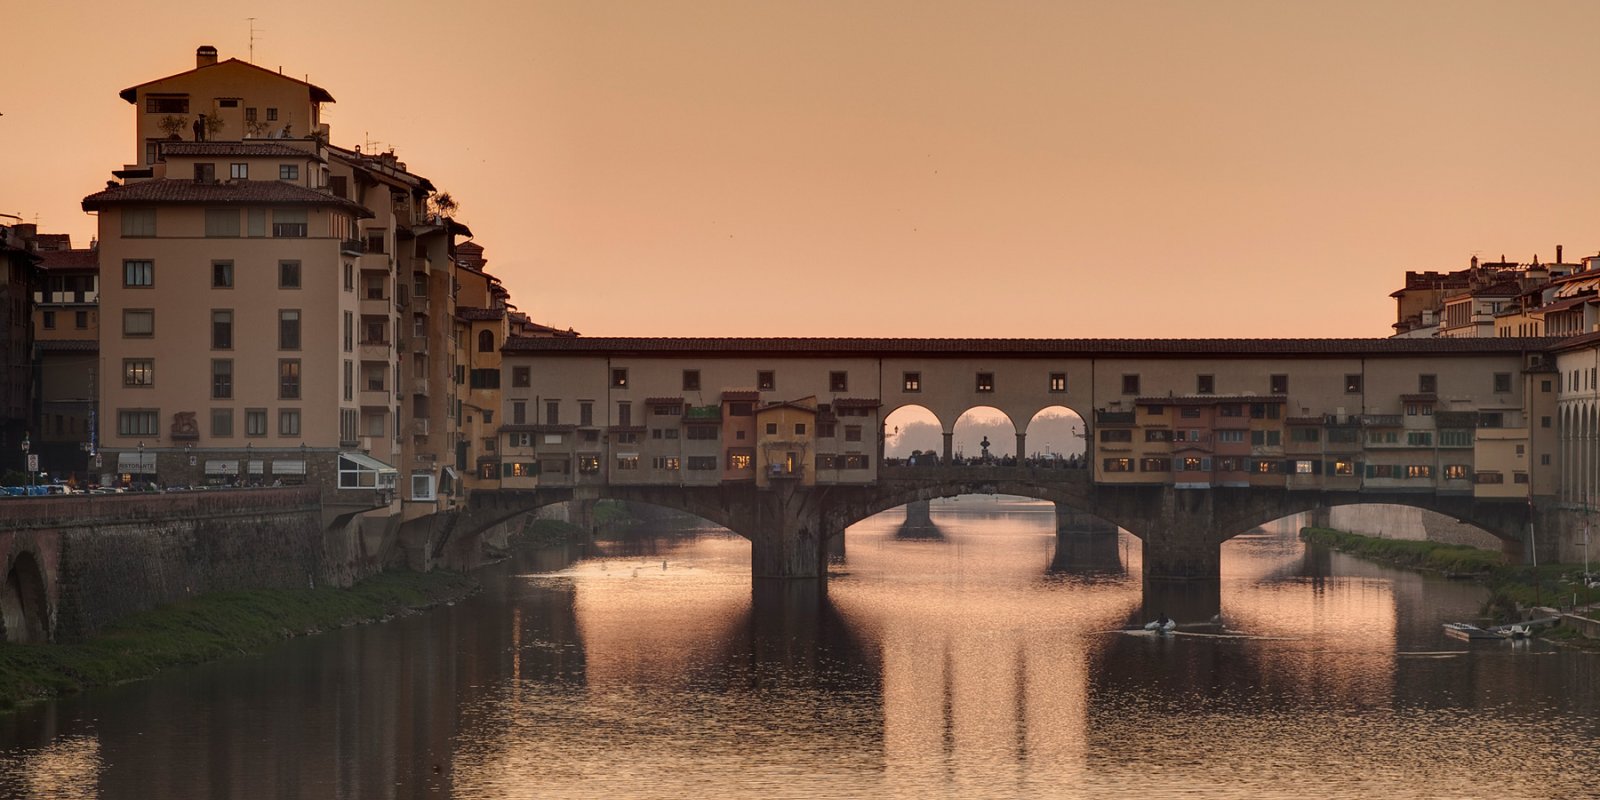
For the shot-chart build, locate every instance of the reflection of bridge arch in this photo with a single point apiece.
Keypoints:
(24, 603)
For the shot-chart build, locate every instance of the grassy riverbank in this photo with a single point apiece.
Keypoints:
(212, 627)
(1511, 586)
(546, 533)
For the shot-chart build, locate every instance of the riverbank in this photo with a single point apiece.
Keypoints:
(1512, 588)
(212, 627)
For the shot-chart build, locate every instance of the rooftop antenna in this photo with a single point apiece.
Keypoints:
(253, 33)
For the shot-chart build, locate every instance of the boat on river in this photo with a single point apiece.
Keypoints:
(1468, 632)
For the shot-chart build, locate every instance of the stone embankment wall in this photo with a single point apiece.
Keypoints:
(118, 554)
(1406, 522)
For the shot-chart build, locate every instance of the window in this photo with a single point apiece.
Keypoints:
(624, 414)
(222, 274)
(699, 463)
(838, 381)
(740, 459)
(691, 380)
(1189, 412)
(272, 114)
(552, 412)
(520, 377)
(205, 173)
(1303, 467)
(739, 409)
(238, 171)
(1205, 384)
(1305, 435)
(1155, 465)
(627, 462)
(855, 461)
(288, 274)
(138, 274)
(585, 413)
(1455, 438)
(138, 422)
(350, 386)
(1342, 467)
(138, 322)
(289, 422)
(799, 429)
(289, 223)
(1419, 470)
(1058, 382)
(1502, 382)
(772, 429)
(1544, 386)
(1278, 384)
(288, 172)
(222, 329)
(825, 430)
(1158, 435)
(1544, 422)
(1230, 436)
(222, 422)
(665, 462)
(1427, 384)
(486, 378)
(255, 221)
(911, 382)
(289, 379)
(138, 372)
(222, 379)
(1455, 472)
(1519, 477)
(138, 222)
(852, 433)
(619, 379)
(289, 329)
(48, 319)
(1130, 384)
(255, 422)
(1116, 435)
(80, 320)
(985, 382)
(1352, 384)
(166, 104)
(766, 380)
(1491, 419)
(1117, 465)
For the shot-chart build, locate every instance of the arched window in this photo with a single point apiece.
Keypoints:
(486, 341)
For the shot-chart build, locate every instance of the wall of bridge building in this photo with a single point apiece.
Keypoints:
(1577, 439)
(1407, 522)
(1398, 444)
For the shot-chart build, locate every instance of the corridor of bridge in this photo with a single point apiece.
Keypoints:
(1054, 433)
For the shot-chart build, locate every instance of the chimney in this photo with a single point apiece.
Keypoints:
(1558, 254)
(204, 56)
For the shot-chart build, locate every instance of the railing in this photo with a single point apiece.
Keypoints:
(350, 247)
(419, 427)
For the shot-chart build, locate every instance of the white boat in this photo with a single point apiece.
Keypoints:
(1466, 632)
(1159, 627)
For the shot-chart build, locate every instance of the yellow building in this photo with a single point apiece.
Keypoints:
(785, 442)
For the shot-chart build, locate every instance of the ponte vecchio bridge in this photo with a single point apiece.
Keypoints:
(1188, 441)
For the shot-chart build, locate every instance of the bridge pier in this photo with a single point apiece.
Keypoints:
(786, 534)
(949, 446)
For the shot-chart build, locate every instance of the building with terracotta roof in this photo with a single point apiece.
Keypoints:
(21, 276)
(66, 347)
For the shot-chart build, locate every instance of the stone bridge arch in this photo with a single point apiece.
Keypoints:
(26, 613)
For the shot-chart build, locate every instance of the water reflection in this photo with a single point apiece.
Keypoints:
(994, 661)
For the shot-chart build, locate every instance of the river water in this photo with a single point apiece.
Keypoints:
(982, 661)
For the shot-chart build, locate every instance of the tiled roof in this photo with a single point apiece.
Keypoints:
(318, 94)
(53, 241)
(741, 395)
(1154, 348)
(233, 192)
(69, 259)
(470, 314)
(247, 148)
(1580, 341)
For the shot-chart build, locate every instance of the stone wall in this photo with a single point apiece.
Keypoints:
(1408, 522)
(118, 554)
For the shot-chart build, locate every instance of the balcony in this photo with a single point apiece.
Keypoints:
(375, 398)
(419, 427)
(374, 351)
(419, 304)
(376, 306)
(350, 247)
(420, 386)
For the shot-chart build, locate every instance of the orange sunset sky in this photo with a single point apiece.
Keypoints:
(1033, 169)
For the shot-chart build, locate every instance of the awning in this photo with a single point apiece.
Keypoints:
(449, 480)
(130, 462)
(222, 467)
(258, 467)
(361, 471)
(288, 466)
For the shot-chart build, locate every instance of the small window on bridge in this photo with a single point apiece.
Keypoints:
(619, 379)
(766, 380)
(1205, 384)
(1278, 384)
(691, 380)
(1502, 382)
(1352, 384)
(1130, 384)
(838, 381)
(1058, 382)
(1427, 384)
(985, 381)
(912, 382)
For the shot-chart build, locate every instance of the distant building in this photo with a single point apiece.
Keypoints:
(66, 349)
(18, 256)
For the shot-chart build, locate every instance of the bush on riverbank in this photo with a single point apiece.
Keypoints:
(210, 627)
(1511, 587)
(547, 533)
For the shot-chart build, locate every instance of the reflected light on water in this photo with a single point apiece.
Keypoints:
(68, 767)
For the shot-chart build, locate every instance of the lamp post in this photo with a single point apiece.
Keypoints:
(248, 452)
(26, 445)
(140, 465)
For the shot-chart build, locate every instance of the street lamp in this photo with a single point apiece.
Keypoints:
(26, 445)
(139, 466)
(248, 452)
